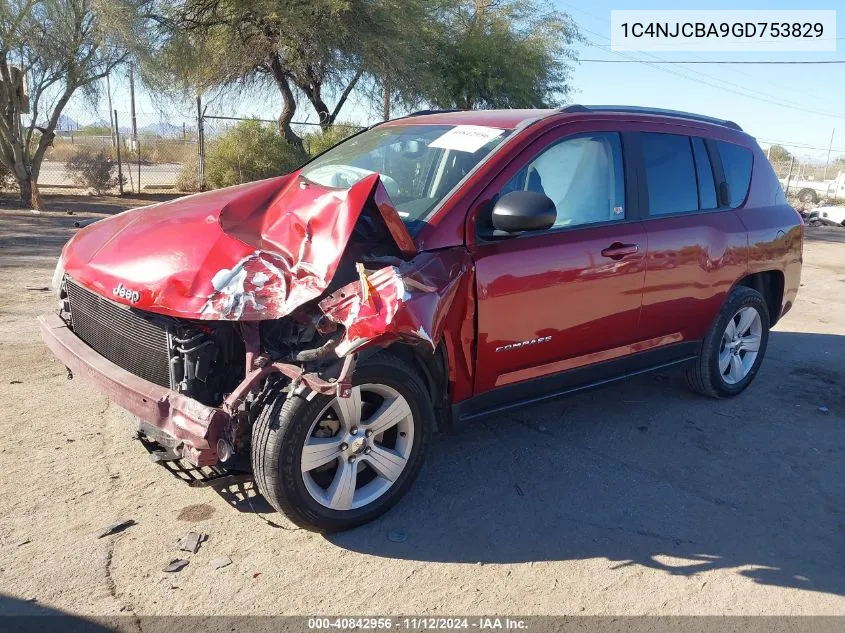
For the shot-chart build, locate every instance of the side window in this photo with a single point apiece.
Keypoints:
(670, 173)
(584, 177)
(704, 170)
(736, 162)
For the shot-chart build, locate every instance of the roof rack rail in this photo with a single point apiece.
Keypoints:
(424, 112)
(417, 113)
(644, 110)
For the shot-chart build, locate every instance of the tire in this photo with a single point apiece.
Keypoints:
(808, 195)
(710, 378)
(317, 499)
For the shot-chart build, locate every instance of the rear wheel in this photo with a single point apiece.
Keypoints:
(733, 349)
(330, 464)
(808, 195)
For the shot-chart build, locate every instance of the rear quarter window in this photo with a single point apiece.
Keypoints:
(736, 163)
(670, 173)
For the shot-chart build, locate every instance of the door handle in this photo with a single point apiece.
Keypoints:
(618, 250)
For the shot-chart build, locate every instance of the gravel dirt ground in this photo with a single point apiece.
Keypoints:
(639, 498)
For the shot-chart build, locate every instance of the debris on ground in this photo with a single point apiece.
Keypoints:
(220, 562)
(191, 542)
(397, 536)
(25, 541)
(256, 574)
(116, 528)
(177, 564)
(16, 382)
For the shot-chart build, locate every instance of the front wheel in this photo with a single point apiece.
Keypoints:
(733, 349)
(330, 464)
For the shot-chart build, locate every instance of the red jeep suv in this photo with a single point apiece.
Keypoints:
(315, 328)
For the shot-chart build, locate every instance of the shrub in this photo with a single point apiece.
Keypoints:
(168, 151)
(249, 151)
(92, 169)
(319, 142)
(188, 178)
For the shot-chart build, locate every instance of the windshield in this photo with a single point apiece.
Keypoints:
(418, 164)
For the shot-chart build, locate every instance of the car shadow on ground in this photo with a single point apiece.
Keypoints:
(646, 473)
(27, 616)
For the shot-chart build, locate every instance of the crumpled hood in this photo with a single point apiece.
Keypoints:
(250, 252)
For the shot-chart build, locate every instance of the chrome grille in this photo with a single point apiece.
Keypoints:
(120, 335)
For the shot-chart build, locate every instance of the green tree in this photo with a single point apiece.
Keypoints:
(50, 50)
(250, 151)
(321, 50)
(778, 154)
(500, 54)
(446, 53)
(319, 142)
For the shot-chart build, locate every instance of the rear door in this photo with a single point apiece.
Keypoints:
(568, 296)
(697, 244)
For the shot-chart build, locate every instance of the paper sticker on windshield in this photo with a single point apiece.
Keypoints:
(467, 138)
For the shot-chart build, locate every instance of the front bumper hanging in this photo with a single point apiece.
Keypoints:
(194, 427)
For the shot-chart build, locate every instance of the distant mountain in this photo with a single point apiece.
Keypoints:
(65, 124)
(162, 128)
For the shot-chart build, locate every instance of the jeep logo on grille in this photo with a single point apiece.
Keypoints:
(126, 293)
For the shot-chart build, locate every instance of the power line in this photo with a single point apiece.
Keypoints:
(766, 141)
(720, 84)
(733, 61)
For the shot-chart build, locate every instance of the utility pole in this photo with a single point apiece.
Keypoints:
(132, 100)
(829, 148)
(112, 124)
(200, 146)
(789, 175)
(119, 166)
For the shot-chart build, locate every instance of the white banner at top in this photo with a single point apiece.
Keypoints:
(723, 30)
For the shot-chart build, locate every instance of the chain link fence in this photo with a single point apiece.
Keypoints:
(153, 154)
(234, 150)
(807, 176)
(119, 159)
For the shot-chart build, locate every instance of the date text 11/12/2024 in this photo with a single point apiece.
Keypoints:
(480, 623)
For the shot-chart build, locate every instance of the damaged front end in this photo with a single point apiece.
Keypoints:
(294, 281)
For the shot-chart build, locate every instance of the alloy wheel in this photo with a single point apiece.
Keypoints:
(357, 447)
(740, 345)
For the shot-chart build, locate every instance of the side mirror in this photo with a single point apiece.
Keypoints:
(523, 211)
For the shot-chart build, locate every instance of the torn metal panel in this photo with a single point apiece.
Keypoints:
(246, 253)
(406, 302)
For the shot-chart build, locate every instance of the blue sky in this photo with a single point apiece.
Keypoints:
(796, 104)
(808, 95)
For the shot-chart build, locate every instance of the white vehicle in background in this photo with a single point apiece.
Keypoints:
(831, 215)
(815, 190)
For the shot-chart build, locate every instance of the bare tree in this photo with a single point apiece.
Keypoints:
(49, 50)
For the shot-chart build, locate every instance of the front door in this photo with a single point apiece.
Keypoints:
(571, 295)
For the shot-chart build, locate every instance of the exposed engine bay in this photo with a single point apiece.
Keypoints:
(282, 318)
